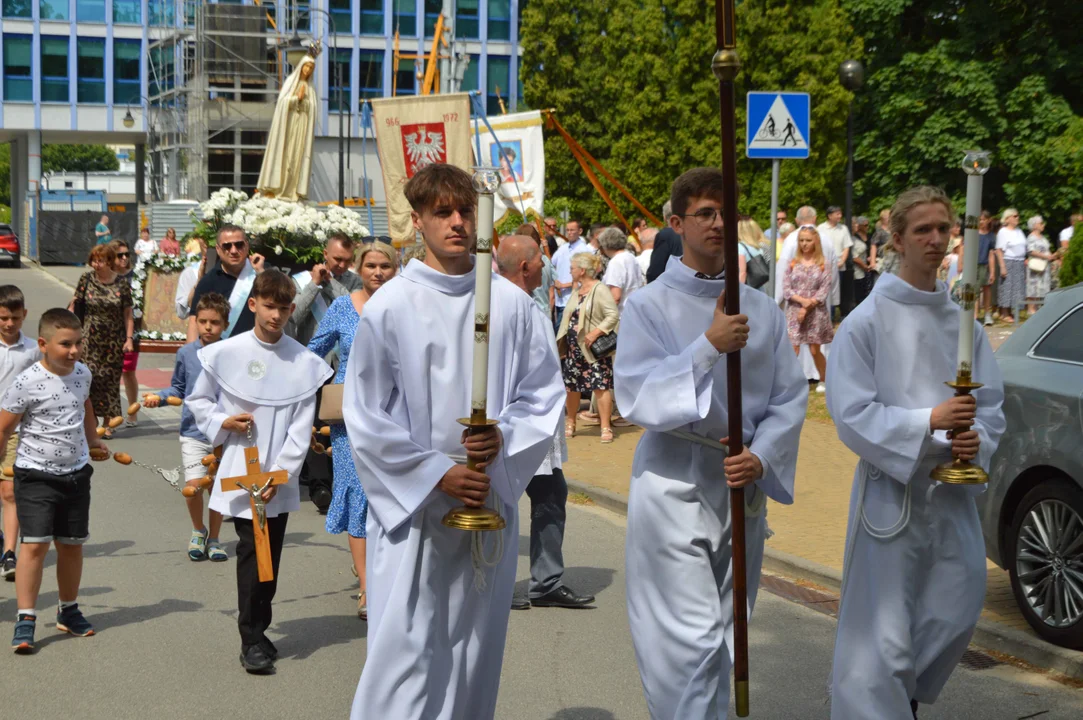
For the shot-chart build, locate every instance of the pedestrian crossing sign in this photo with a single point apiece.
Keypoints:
(778, 126)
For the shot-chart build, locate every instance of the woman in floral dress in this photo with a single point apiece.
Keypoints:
(1038, 283)
(805, 290)
(349, 506)
(108, 326)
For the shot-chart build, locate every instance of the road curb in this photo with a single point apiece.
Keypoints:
(988, 635)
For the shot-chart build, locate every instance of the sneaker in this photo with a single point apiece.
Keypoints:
(256, 661)
(820, 388)
(215, 552)
(7, 566)
(23, 640)
(71, 620)
(988, 319)
(197, 546)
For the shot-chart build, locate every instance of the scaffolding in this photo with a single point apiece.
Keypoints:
(214, 71)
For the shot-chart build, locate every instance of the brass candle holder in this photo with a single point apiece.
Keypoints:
(961, 472)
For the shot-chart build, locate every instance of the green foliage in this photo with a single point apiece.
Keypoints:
(631, 81)
(5, 174)
(5, 214)
(508, 224)
(1071, 269)
(77, 158)
(948, 75)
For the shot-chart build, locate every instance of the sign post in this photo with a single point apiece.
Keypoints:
(778, 129)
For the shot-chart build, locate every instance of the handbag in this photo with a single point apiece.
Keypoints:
(757, 271)
(604, 345)
(1037, 265)
(331, 404)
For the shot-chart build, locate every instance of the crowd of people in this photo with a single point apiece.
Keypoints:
(630, 319)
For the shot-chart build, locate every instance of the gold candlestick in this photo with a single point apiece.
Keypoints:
(961, 472)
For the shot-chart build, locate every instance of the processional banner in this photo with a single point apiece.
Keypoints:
(412, 132)
(520, 155)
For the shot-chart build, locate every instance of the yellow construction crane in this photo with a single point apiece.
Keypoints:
(430, 81)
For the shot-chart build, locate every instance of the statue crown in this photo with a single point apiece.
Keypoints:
(315, 48)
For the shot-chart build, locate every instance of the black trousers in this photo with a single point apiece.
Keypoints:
(548, 499)
(253, 597)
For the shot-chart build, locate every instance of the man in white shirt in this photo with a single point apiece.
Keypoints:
(562, 265)
(835, 234)
(1066, 233)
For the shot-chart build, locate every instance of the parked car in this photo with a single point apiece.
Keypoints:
(9, 246)
(1032, 512)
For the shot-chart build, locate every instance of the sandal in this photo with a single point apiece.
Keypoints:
(362, 606)
(197, 546)
(569, 429)
(215, 552)
(607, 436)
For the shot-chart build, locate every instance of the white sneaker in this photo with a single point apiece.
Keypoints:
(988, 319)
(820, 388)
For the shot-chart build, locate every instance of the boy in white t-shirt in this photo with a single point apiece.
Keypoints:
(17, 353)
(52, 473)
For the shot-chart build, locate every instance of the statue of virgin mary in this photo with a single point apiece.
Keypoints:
(287, 162)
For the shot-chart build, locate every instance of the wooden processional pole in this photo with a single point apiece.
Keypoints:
(725, 65)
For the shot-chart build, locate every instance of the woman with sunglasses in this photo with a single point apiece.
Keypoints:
(104, 303)
(125, 269)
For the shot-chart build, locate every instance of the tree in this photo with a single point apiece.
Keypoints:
(5, 174)
(631, 81)
(78, 158)
(948, 75)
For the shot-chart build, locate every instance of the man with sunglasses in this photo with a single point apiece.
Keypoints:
(232, 277)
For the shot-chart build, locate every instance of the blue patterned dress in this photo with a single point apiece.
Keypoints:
(349, 506)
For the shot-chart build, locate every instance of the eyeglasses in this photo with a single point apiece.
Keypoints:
(123, 255)
(704, 217)
(239, 245)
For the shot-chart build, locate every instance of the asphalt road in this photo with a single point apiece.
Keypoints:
(167, 643)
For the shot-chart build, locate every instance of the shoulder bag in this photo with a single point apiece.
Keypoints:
(1037, 265)
(757, 271)
(331, 403)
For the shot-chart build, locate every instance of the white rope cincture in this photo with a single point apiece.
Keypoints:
(755, 501)
(478, 560)
(866, 471)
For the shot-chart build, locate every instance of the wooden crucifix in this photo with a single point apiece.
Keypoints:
(254, 482)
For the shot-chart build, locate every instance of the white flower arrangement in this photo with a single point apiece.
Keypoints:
(296, 229)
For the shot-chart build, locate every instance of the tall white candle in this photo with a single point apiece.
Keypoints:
(483, 280)
(970, 272)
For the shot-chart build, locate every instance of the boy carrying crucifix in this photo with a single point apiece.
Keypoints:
(258, 390)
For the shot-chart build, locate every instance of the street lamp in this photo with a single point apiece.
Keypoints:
(129, 121)
(851, 77)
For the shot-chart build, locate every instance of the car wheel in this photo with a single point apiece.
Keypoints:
(1046, 568)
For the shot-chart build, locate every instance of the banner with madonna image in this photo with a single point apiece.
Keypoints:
(412, 132)
(519, 151)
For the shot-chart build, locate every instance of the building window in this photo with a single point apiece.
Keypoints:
(500, 19)
(54, 69)
(372, 17)
(371, 74)
(338, 68)
(405, 17)
(432, 12)
(405, 78)
(341, 16)
(162, 12)
(17, 82)
(466, 19)
(498, 76)
(90, 11)
(91, 66)
(17, 9)
(160, 73)
(127, 12)
(53, 10)
(126, 62)
(304, 16)
(470, 76)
